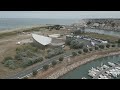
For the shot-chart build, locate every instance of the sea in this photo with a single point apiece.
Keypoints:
(11, 23)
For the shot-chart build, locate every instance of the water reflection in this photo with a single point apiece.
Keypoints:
(112, 33)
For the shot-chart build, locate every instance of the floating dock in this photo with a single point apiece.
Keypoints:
(105, 72)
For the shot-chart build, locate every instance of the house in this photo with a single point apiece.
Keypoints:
(104, 42)
(92, 43)
(44, 42)
(41, 41)
(96, 24)
(54, 35)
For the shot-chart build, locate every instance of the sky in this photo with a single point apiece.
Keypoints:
(60, 14)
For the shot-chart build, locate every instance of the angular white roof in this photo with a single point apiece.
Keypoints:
(54, 35)
(42, 39)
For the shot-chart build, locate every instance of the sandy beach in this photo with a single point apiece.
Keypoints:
(21, 28)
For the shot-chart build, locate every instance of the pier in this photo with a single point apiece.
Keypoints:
(105, 72)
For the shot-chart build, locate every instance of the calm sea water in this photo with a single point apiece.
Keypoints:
(10, 23)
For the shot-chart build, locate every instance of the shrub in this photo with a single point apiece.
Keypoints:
(10, 64)
(101, 46)
(108, 45)
(6, 59)
(20, 55)
(39, 59)
(74, 53)
(68, 40)
(90, 49)
(55, 52)
(27, 62)
(81, 45)
(96, 48)
(75, 44)
(80, 52)
(113, 45)
(119, 41)
(35, 72)
(118, 44)
(49, 50)
(50, 54)
(29, 53)
(54, 63)
(35, 60)
(45, 67)
(85, 50)
(61, 58)
(58, 51)
(25, 77)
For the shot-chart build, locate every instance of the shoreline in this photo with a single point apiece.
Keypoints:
(118, 30)
(67, 69)
(20, 28)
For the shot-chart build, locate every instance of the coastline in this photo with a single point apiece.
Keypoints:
(20, 28)
(117, 30)
(73, 66)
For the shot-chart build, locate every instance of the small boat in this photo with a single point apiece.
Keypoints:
(84, 78)
(111, 64)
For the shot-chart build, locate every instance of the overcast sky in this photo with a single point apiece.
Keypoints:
(60, 14)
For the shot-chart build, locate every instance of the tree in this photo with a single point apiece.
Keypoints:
(90, 49)
(81, 45)
(27, 62)
(119, 41)
(54, 63)
(25, 77)
(61, 58)
(75, 44)
(113, 24)
(96, 48)
(35, 72)
(108, 45)
(88, 23)
(54, 52)
(80, 52)
(101, 46)
(6, 59)
(113, 45)
(69, 39)
(10, 64)
(77, 32)
(45, 67)
(74, 53)
(85, 50)
(39, 59)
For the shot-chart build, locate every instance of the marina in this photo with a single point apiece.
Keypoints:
(105, 72)
(102, 68)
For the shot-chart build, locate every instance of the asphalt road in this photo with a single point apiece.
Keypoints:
(39, 66)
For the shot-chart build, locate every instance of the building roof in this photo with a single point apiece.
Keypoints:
(42, 39)
(54, 35)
